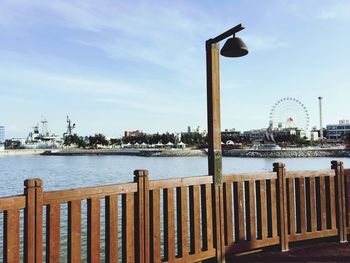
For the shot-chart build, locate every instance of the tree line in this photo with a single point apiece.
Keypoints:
(189, 138)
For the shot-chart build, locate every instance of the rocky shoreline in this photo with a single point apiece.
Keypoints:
(248, 153)
(133, 152)
(288, 153)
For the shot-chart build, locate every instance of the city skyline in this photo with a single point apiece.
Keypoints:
(115, 66)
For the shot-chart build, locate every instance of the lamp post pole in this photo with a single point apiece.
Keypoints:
(214, 136)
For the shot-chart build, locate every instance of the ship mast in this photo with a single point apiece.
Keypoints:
(70, 127)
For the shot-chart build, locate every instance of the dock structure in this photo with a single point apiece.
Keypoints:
(172, 220)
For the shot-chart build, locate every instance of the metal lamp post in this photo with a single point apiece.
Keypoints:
(234, 47)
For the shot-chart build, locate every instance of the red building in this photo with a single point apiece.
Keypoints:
(132, 133)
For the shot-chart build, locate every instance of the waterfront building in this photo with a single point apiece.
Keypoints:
(231, 133)
(2, 138)
(132, 133)
(255, 135)
(337, 132)
(2, 134)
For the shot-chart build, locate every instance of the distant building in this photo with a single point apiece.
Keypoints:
(2, 134)
(230, 133)
(255, 135)
(132, 133)
(337, 132)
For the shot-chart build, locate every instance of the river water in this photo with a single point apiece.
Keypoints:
(62, 172)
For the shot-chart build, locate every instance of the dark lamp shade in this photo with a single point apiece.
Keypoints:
(234, 47)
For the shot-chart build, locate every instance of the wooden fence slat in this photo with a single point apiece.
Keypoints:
(347, 197)
(333, 205)
(111, 213)
(142, 216)
(279, 168)
(169, 225)
(323, 203)
(252, 219)
(182, 221)
(93, 233)
(128, 227)
(155, 244)
(274, 207)
(240, 195)
(38, 220)
(74, 231)
(228, 214)
(313, 218)
(29, 221)
(341, 203)
(53, 241)
(195, 240)
(11, 236)
(209, 216)
(292, 215)
(263, 209)
(302, 214)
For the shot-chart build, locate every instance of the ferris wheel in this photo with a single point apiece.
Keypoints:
(289, 112)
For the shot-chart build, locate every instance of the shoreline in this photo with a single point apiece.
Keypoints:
(287, 153)
(132, 152)
(23, 152)
(238, 153)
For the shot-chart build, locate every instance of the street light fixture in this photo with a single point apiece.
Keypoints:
(234, 47)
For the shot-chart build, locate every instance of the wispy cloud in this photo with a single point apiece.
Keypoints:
(260, 43)
(164, 35)
(65, 82)
(336, 11)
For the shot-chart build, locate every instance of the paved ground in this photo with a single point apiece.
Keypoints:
(320, 252)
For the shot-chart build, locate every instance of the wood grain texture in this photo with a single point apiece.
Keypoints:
(128, 227)
(169, 225)
(111, 241)
(11, 238)
(74, 231)
(53, 235)
(155, 226)
(93, 233)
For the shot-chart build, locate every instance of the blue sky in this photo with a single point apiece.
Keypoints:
(124, 65)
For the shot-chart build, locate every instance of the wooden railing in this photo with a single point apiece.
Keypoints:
(175, 220)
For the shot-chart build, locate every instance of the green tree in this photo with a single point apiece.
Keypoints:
(74, 139)
(98, 138)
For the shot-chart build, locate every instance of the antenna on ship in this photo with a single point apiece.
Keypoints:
(70, 127)
(44, 127)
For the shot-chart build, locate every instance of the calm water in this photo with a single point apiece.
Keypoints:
(61, 172)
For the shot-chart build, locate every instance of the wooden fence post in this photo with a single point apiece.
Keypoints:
(337, 166)
(33, 221)
(142, 216)
(279, 168)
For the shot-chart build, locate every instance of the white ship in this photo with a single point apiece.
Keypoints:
(266, 147)
(43, 139)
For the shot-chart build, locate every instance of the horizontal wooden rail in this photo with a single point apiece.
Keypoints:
(12, 202)
(63, 196)
(240, 177)
(300, 174)
(178, 182)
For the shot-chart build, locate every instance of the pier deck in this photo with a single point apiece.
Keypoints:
(327, 251)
